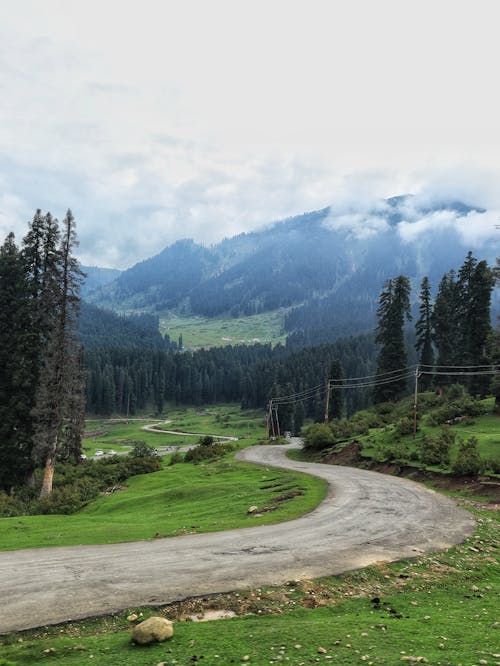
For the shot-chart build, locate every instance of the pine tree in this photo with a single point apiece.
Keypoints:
(479, 329)
(56, 390)
(423, 331)
(15, 369)
(394, 308)
(445, 323)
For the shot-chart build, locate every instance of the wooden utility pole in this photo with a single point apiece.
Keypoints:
(267, 421)
(327, 400)
(415, 403)
(272, 418)
(277, 421)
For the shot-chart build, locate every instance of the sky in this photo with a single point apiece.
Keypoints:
(165, 119)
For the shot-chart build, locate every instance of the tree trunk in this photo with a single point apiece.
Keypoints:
(48, 475)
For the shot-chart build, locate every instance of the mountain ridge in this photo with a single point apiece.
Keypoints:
(329, 259)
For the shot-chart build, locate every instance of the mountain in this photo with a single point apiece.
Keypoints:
(101, 329)
(327, 266)
(96, 277)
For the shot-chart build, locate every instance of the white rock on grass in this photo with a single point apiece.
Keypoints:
(153, 630)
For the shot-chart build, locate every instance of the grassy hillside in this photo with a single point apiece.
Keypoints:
(208, 332)
(178, 499)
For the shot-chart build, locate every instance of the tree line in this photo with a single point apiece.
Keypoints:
(453, 333)
(42, 397)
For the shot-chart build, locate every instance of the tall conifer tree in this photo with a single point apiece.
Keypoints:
(58, 408)
(394, 308)
(423, 330)
(15, 369)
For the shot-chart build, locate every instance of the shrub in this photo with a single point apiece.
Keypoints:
(404, 426)
(435, 450)
(206, 440)
(465, 406)
(468, 461)
(212, 452)
(175, 458)
(396, 452)
(456, 392)
(9, 506)
(318, 436)
(142, 450)
(493, 464)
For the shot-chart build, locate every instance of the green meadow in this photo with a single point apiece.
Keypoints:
(179, 499)
(210, 332)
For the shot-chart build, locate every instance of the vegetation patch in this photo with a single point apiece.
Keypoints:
(179, 499)
(198, 331)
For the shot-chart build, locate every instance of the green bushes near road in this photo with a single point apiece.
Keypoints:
(445, 427)
(207, 449)
(76, 486)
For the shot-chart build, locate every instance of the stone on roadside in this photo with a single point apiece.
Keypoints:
(132, 618)
(252, 509)
(153, 630)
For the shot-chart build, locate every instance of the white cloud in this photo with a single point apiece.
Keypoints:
(159, 120)
(359, 225)
(474, 229)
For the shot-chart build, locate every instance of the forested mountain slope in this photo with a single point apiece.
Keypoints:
(328, 265)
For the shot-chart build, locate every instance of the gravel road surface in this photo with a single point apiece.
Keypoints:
(367, 517)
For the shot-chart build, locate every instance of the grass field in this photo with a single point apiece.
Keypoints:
(440, 607)
(227, 420)
(208, 332)
(179, 499)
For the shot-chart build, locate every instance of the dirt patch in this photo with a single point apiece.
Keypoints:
(350, 455)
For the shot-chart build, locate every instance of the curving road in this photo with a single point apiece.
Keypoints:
(366, 517)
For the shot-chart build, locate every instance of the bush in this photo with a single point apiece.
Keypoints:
(9, 506)
(464, 407)
(404, 426)
(468, 461)
(175, 458)
(436, 450)
(397, 452)
(206, 440)
(318, 436)
(492, 464)
(211, 452)
(142, 450)
(456, 392)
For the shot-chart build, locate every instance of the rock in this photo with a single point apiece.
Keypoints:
(297, 646)
(245, 658)
(153, 630)
(132, 618)
(252, 509)
(321, 650)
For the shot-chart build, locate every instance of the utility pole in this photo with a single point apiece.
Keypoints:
(277, 421)
(327, 400)
(267, 421)
(415, 404)
(271, 416)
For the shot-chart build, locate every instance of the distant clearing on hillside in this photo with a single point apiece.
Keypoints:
(205, 332)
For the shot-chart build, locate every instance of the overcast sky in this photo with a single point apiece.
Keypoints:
(162, 119)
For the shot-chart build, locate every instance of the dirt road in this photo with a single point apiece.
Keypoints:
(367, 517)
